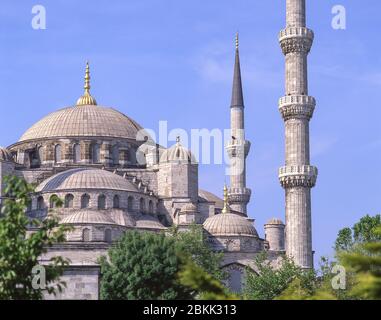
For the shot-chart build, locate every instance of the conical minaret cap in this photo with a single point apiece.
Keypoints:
(237, 95)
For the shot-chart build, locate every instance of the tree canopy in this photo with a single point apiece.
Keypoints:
(20, 251)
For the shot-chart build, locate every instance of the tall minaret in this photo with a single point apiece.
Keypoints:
(297, 177)
(238, 148)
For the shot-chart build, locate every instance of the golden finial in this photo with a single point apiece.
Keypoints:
(87, 78)
(236, 41)
(86, 99)
(226, 208)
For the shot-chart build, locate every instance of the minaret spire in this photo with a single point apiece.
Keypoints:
(237, 95)
(297, 176)
(86, 99)
(238, 148)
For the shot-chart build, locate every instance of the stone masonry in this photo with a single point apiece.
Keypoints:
(297, 177)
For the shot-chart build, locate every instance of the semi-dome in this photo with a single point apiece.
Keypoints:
(86, 178)
(87, 217)
(189, 207)
(83, 121)
(229, 224)
(149, 222)
(177, 153)
(5, 155)
(121, 217)
(206, 196)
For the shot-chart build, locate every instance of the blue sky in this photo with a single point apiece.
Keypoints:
(173, 60)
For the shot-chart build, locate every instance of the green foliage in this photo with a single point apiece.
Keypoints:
(192, 243)
(313, 285)
(362, 232)
(19, 251)
(366, 263)
(297, 291)
(344, 241)
(269, 282)
(359, 250)
(142, 265)
(148, 265)
(205, 286)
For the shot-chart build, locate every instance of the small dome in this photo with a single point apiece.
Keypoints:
(5, 155)
(276, 221)
(149, 222)
(229, 224)
(177, 153)
(189, 207)
(87, 217)
(86, 178)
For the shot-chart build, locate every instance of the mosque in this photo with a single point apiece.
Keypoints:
(89, 156)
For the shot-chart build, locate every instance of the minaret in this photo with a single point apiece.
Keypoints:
(238, 148)
(297, 177)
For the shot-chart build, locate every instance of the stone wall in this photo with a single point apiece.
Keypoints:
(94, 195)
(6, 168)
(43, 153)
(82, 283)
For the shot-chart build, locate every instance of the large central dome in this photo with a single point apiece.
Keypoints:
(83, 121)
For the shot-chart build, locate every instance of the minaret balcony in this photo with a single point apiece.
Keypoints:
(298, 176)
(239, 195)
(236, 148)
(297, 106)
(296, 39)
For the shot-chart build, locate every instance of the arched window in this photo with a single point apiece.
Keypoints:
(115, 154)
(96, 153)
(102, 202)
(57, 153)
(85, 200)
(76, 153)
(69, 199)
(150, 206)
(108, 237)
(115, 201)
(142, 206)
(130, 203)
(40, 153)
(40, 203)
(236, 278)
(86, 234)
(53, 201)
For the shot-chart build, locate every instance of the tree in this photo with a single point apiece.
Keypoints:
(142, 265)
(312, 285)
(366, 263)
(270, 281)
(358, 249)
(20, 252)
(205, 286)
(362, 232)
(193, 244)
